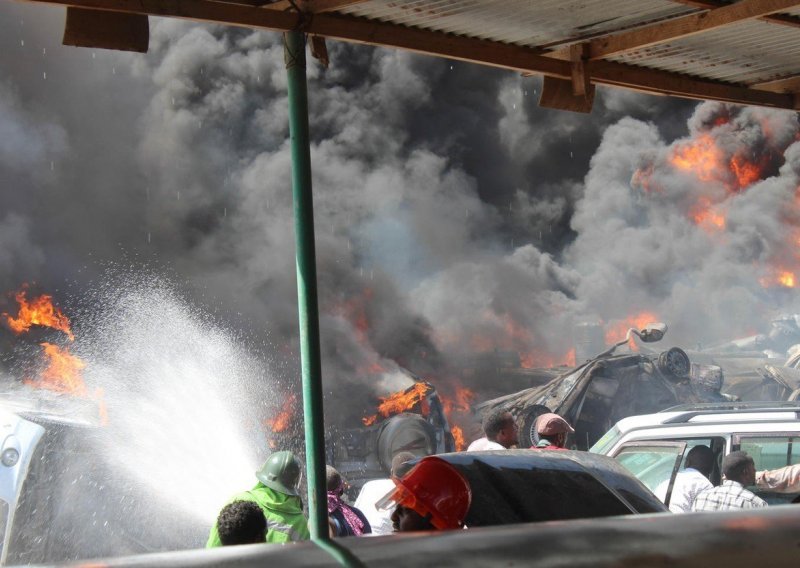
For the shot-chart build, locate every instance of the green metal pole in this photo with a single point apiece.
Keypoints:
(295, 56)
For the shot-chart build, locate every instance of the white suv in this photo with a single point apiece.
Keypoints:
(654, 446)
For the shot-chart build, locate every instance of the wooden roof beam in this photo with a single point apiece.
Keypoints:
(684, 26)
(781, 19)
(784, 85)
(494, 54)
(314, 6)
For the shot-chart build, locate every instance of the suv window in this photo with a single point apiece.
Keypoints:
(653, 463)
(770, 452)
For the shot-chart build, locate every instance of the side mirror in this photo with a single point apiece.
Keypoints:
(652, 332)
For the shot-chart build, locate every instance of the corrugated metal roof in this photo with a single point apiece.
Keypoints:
(751, 52)
(521, 22)
(646, 45)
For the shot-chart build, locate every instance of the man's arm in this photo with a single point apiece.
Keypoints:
(783, 480)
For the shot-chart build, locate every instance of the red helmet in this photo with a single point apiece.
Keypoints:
(433, 488)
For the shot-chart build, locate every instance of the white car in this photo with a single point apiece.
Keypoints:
(654, 446)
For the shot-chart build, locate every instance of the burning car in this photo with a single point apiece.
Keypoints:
(412, 420)
(596, 394)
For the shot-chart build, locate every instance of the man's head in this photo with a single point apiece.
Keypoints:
(401, 463)
(500, 427)
(432, 495)
(701, 458)
(738, 466)
(553, 428)
(241, 522)
(281, 472)
(334, 481)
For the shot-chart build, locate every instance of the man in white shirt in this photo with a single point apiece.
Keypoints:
(380, 520)
(501, 432)
(689, 482)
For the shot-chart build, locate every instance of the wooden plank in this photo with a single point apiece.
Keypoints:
(495, 54)
(684, 26)
(783, 19)
(784, 85)
(314, 6)
(559, 94)
(106, 30)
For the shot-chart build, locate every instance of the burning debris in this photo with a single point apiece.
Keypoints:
(62, 372)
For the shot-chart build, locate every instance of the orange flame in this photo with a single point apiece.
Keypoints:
(63, 372)
(403, 400)
(281, 421)
(704, 215)
(458, 436)
(400, 401)
(780, 277)
(746, 172)
(700, 156)
(41, 312)
(616, 332)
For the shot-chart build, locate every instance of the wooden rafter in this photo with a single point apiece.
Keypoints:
(495, 54)
(784, 85)
(314, 6)
(781, 19)
(684, 26)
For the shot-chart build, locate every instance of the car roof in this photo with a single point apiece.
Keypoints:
(775, 413)
(512, 486)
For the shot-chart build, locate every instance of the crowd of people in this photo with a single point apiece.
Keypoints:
(430, 494)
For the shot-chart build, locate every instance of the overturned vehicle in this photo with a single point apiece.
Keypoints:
(611, 386)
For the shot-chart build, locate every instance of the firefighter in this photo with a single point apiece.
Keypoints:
(433, 495)
(277, 494)
(553, 431)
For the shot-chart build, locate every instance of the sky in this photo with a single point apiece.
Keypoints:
(453, 215)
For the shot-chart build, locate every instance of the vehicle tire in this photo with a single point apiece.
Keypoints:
(405, 433)
(527, 425)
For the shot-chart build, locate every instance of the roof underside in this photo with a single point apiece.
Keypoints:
(747, 51)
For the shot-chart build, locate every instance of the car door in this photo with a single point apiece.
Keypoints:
(655, 464)
(770, 451)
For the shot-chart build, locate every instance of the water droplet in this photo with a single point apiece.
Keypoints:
(94, 55)
(113, 70)
(173, 101)
(52, 166)
(44, 74)
(514, 106)
(451, 68)
(44, 51)
(148, 237)
(22, 42)
(224, 211)
(179, 195)
(570, 153)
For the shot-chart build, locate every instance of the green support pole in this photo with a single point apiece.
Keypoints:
(295, 56)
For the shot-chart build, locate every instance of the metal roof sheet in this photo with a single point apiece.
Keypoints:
(522, 22)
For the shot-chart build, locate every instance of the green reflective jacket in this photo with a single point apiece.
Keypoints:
(285, 519)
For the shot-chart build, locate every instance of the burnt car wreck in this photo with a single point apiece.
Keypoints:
(611, 386)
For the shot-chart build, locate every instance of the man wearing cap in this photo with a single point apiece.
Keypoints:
(553, 431)
(277, 494)
(739, 471)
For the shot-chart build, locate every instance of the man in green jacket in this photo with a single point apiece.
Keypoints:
(277, 494)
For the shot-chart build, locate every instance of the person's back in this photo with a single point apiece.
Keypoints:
(277, 494)
(345, 520)
(689, 482)
(739, 472)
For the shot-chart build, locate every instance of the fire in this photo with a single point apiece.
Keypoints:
(616, 332)
(746, 172)
(704, 214)
(700, 156)
(63, 372)
(281, 421)
(780, 277)
(458, 436)
(400, 401)
(40, 311)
